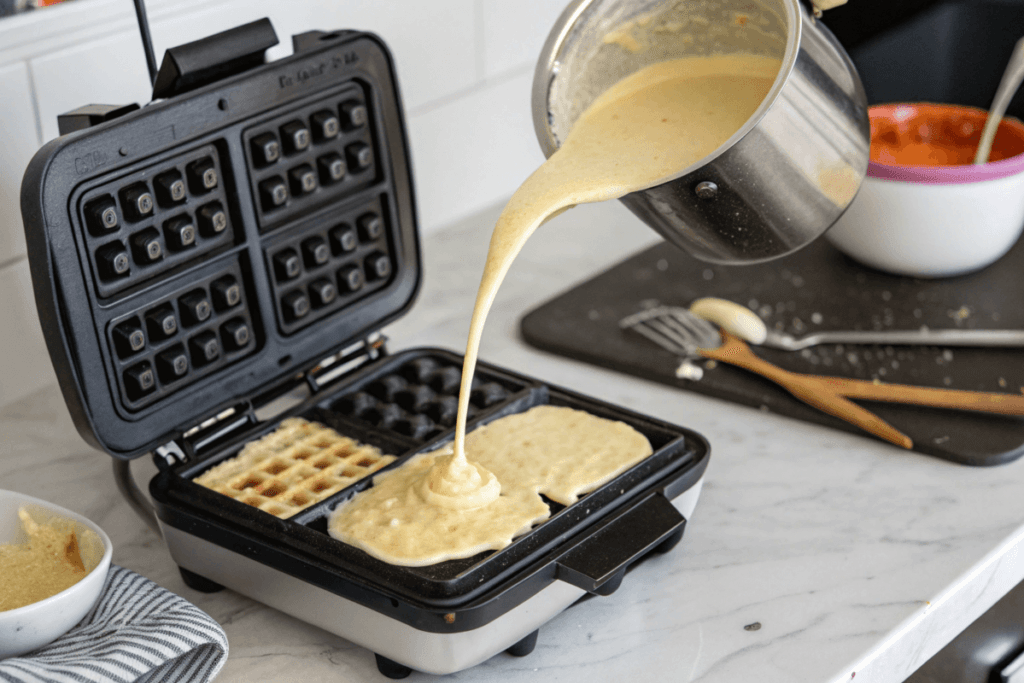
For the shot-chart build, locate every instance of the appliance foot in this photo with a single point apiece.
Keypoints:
(524, 646)
(391, 669)
(670, 542)
(199, 583)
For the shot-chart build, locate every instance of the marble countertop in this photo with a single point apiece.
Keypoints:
(857, 559)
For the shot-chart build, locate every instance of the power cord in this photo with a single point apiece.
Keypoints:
(134, 495)
(147, 39)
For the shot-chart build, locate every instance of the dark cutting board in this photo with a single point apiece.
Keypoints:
(815, 289)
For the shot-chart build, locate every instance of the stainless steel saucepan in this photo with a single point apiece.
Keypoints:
(783, 178)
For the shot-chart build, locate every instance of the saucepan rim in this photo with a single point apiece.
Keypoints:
(546, 71)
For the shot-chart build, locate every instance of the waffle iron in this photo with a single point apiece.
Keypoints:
(223, 258)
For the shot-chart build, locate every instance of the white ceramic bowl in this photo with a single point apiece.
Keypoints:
(32, 626)
(936, 221)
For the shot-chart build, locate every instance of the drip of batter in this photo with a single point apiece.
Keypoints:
(648, 127)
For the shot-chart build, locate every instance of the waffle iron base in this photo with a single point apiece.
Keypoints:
(398, 647)
(456, 614)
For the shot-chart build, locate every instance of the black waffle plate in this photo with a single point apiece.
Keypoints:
(676, 450)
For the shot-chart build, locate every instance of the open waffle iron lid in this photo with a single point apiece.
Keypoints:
(220, 244)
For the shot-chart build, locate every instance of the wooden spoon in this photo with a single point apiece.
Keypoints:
(830, 394)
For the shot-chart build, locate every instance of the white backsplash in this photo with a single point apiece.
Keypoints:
(464, 67)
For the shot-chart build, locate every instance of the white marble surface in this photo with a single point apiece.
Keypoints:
(856, 558)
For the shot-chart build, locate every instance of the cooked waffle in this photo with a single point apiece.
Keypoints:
(293, 467)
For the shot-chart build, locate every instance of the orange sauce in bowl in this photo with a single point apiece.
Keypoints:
(937, 135)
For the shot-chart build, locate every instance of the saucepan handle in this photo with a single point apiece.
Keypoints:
(598, 563)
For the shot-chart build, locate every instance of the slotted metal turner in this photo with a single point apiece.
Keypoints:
(674, 329)
(677, 330)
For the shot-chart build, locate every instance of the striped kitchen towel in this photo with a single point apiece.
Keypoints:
(138, 632)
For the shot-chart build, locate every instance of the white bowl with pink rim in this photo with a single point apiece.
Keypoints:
(30, 627)
(932, 221)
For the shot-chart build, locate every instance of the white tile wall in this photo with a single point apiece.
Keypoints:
(17, 145)
(469, 153)
(514, 32)
(107, 71)
(464, 68)
(434, 42)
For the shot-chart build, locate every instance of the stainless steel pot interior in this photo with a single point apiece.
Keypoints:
(783, 178)
(596, 43)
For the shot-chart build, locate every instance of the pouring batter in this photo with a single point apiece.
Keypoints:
(646, 128)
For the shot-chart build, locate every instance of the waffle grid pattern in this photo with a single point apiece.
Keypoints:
(293, 467)
(420, 398)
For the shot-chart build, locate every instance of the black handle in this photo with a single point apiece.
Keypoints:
(598, 564)
(192, 65)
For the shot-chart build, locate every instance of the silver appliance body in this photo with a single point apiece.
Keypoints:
(434, 653)
(782, 179)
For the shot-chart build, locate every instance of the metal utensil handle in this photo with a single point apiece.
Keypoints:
(1001, 338)
(1011, 80)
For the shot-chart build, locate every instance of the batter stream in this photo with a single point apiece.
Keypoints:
(644, 129)
(647, 127)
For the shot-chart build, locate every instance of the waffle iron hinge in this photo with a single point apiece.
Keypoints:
(342, 363)
(205, 435)
(271, 405)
